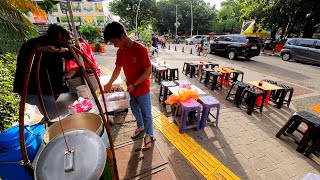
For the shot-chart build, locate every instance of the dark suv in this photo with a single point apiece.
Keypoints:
(236, 45)
(301, 49)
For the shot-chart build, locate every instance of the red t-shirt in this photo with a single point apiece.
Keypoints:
(134, 61)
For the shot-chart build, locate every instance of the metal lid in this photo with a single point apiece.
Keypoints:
(86, 161)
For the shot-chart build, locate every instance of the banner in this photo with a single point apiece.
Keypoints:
(39, 16)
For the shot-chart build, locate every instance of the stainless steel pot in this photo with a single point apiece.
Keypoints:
(85, 161)
(88, 121)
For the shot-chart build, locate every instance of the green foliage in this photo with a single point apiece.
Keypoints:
(9, 101)
(127, 10)
(203, 15)
(97, 47)
(90, 33)
(15, 29)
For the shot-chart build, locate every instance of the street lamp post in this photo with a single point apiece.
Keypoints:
(137, 17)
(176, 21)
(191, 19)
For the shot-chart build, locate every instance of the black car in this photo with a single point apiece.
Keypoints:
(236, 45)
(302, 49)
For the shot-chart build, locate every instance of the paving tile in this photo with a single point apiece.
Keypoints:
(261, 163)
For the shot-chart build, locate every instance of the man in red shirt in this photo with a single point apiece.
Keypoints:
(134, 59)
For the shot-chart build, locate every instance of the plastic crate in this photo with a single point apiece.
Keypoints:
(116, 101)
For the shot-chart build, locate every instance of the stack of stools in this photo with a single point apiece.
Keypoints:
(211, 65)
(193, 69)
(293, 123)
(173, 74)
(190, 106)
(236, 74)
(236, 97)
(185, 68)
(214, 80)
(250, 96)
(205, 73)
(207, 103)
(161, 74)
(164, 90)
(280, 95)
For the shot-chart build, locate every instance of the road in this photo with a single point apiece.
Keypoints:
(303, 77)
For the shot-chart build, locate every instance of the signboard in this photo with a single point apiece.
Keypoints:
(39, 16)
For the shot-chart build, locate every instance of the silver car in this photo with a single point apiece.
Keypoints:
(302, 49)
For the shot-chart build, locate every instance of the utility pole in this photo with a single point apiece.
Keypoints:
(191, 19)
(176, 21)
(137, 17)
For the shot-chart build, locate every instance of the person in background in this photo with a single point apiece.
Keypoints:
(133, 58)
(154, 43)
(53, 46)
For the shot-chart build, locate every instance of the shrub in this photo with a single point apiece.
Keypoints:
(90, 33)
(97, 47)
(9, 101)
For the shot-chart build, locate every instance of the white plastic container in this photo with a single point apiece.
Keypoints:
(116, 101)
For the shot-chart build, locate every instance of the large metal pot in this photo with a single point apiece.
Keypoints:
(88, 121)
(85, 160)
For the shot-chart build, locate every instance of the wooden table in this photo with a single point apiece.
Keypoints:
(267, 87)
(225, 71)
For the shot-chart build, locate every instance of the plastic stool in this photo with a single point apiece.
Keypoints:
(211, 65)
(205, 75)
(207, 103)
(252, 94)
(161, 74)
(165, 87)
(173, 74)
(185, 67)
(236, 74)
(293, 123)
(187, 107)
(236, 97)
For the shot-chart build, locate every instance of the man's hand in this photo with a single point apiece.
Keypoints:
(130, 88)
(107, 87)
(53, 49)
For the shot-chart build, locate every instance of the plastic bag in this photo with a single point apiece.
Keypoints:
(182, 95)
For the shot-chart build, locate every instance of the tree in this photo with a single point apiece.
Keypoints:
(228, 18)
(127, 10)
(90, 33)
(203, 15)
(291, 16)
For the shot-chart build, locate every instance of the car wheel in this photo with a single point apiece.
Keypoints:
(232, 54)
(286, 56)
(190, 43)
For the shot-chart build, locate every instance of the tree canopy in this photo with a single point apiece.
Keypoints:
(288, 16)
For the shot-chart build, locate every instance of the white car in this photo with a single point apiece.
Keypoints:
(195, 39)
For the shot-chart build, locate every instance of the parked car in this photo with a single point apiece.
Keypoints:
(196, 39)
(301, 49)
(236, 45)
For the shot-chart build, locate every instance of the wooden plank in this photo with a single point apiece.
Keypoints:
(265, 85)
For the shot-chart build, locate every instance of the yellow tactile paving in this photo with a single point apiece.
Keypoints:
(223, 173)
(186, 145)
(171, 132)
(202, 160)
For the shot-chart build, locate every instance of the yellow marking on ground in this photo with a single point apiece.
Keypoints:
(201, 159)
(105, 70)
(204, 162)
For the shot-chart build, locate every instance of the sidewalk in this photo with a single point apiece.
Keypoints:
(246, 145)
